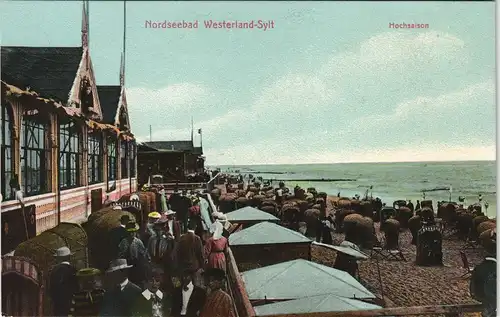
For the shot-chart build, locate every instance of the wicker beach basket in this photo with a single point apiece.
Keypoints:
(484, 226)
(41, 250)
(403, 214)
(98, 230)
(344, 203)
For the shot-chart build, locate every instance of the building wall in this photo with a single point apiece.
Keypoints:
(74, 202)
(253, 256)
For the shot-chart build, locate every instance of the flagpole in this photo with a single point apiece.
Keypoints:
(201, 139)
(192, 130)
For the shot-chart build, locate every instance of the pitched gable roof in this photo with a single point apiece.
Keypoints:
(266, 233)
(50, 71)
(171, 145)
(249, 214)
(314, 304)
(109, 96)
(301, 278)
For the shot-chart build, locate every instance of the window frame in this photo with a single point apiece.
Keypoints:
(124, 155)
(95, 158)
(30, 124)
(7, 166)
(70, 151)
(112, 158)
(132, 158)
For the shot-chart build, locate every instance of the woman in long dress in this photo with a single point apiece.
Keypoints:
(215, 248)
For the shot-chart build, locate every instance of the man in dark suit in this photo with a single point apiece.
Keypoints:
(188, 254)
(63, 282)
(183, 213)
(121, 299)
(118, 234)
(174, 201)
(188, 299)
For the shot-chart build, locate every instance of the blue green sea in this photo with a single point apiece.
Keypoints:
(391, 181)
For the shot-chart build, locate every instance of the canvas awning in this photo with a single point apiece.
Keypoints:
(300, 278)
(266, 233)
(314, 304)
(249, 214)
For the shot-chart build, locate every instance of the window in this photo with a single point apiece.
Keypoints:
(70, 155)
(35, 154)
(124, 158)
(132, 157)
(95, 158)
(111, 159)
(6, 160)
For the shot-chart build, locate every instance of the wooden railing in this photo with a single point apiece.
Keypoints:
(237, 288)
(181, 186)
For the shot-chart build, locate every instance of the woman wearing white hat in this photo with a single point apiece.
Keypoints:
(216, 247)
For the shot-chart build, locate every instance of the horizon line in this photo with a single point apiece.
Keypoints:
(365, 162)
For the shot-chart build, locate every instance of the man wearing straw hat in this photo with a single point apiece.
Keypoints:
(136, 254)
(87, 302)
(63, 282)
(119, 300)
(347, 257)
(172, 225)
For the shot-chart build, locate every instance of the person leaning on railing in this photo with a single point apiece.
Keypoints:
(218, 303)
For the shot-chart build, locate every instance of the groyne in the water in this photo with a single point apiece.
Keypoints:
(315, 180)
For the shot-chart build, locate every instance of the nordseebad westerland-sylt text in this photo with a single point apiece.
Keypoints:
(262, 25)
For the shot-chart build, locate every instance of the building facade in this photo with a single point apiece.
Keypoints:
(65, 142)
(174, 160)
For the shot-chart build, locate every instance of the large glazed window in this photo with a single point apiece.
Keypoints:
(6, 160)
(132, 157)
(124, 158)
(112, 168)
(70, 155)
(95, 166)
(35, 154)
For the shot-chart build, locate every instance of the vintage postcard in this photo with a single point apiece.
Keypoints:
(238, 158)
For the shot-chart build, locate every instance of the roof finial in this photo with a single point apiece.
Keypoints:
(124, 54)
(122, 71)
(85, 26)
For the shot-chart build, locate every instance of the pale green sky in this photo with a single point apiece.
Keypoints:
(330, 83)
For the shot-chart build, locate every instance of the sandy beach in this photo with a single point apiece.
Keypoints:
(406, 284)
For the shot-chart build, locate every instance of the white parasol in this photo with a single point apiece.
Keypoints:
(351, 249)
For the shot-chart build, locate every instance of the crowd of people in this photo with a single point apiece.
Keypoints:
(175, 266)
